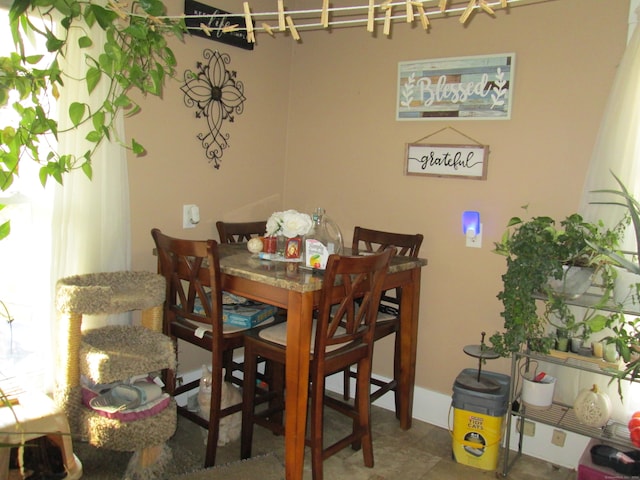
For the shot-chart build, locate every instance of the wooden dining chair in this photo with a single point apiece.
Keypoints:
(238, 232)
(193, 314)
(342, 335)
(388, 321)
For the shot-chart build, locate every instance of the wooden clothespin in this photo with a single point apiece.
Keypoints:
(484, 6)
(409, 7)
(292, 27)
(230, 28)
(467, 11)
(268, 29)
(387, 7)
(443, 6)
(503, 3)
(424, 20)
(324, 17)
(370, 15)
(281, 24)
(247, 18)
(206, 29)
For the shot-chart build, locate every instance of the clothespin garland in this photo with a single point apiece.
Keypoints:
(251, 38)
(292, 28)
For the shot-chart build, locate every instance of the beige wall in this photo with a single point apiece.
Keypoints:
(319, 129)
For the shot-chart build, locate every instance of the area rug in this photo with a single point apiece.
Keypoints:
(264, 467)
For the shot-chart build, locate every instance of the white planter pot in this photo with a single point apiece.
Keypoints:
(574, 282)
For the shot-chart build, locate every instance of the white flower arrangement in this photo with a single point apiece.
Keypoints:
(289, 223)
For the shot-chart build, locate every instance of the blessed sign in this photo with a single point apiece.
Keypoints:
(197, 13)
(464, 88)
(463, 161)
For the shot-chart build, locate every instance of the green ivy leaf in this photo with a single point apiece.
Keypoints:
(137, 148)
(93, 78)
(87, 169)
(94, 136)
(152, 7)
(76, 112)
(104, 17)
(5, 229)
(98, 120)
(84, 42)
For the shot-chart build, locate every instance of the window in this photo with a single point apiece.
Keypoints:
(25, 282)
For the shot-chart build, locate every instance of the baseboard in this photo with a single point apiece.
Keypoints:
(435, 408)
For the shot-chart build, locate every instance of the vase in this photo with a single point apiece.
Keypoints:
(281, 244)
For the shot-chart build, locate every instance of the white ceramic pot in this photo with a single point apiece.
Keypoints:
(574, 282)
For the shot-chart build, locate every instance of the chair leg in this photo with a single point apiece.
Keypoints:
(396, 372)
(248, 397)
(346, 384)
(364, 414)
(214, 416)
(316, 427)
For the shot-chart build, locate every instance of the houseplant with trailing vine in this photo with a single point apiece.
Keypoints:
(134, 57)
(540, 249)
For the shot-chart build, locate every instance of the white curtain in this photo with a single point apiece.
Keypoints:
(617, 147)
(617, 150)
(91, 219)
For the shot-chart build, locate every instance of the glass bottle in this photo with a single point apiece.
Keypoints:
(324, 239)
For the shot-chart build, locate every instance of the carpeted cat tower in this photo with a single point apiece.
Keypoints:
(115, 354)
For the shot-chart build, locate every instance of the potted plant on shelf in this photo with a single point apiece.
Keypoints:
(539, 253)
(626, 333)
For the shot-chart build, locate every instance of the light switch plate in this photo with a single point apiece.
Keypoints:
(187, 216)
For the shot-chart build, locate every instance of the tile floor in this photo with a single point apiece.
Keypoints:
(422, 453)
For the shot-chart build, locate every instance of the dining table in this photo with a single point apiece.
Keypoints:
(291, 286)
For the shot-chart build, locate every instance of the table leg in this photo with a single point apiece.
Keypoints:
(409, 308)
(299, 313)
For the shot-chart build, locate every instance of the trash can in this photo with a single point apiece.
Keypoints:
(478, 415)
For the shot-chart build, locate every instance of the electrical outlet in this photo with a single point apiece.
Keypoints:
(558, 437)
(529, 428)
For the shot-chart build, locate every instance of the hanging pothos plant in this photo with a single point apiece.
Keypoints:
(134, 57)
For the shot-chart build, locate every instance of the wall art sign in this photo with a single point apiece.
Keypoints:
(216, 94)
(463, 88)
(216, 19)
(438, 160)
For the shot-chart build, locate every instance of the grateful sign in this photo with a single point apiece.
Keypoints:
(462, 161)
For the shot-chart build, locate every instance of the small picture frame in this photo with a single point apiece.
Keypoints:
(293, 247)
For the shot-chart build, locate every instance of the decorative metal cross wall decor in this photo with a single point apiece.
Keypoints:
(216, 94)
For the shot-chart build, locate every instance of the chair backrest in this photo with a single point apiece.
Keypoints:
(347, 314)
(193, 292)
(240, 231)
(367, 240)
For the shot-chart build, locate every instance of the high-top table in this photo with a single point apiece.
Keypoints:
(297, 290)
